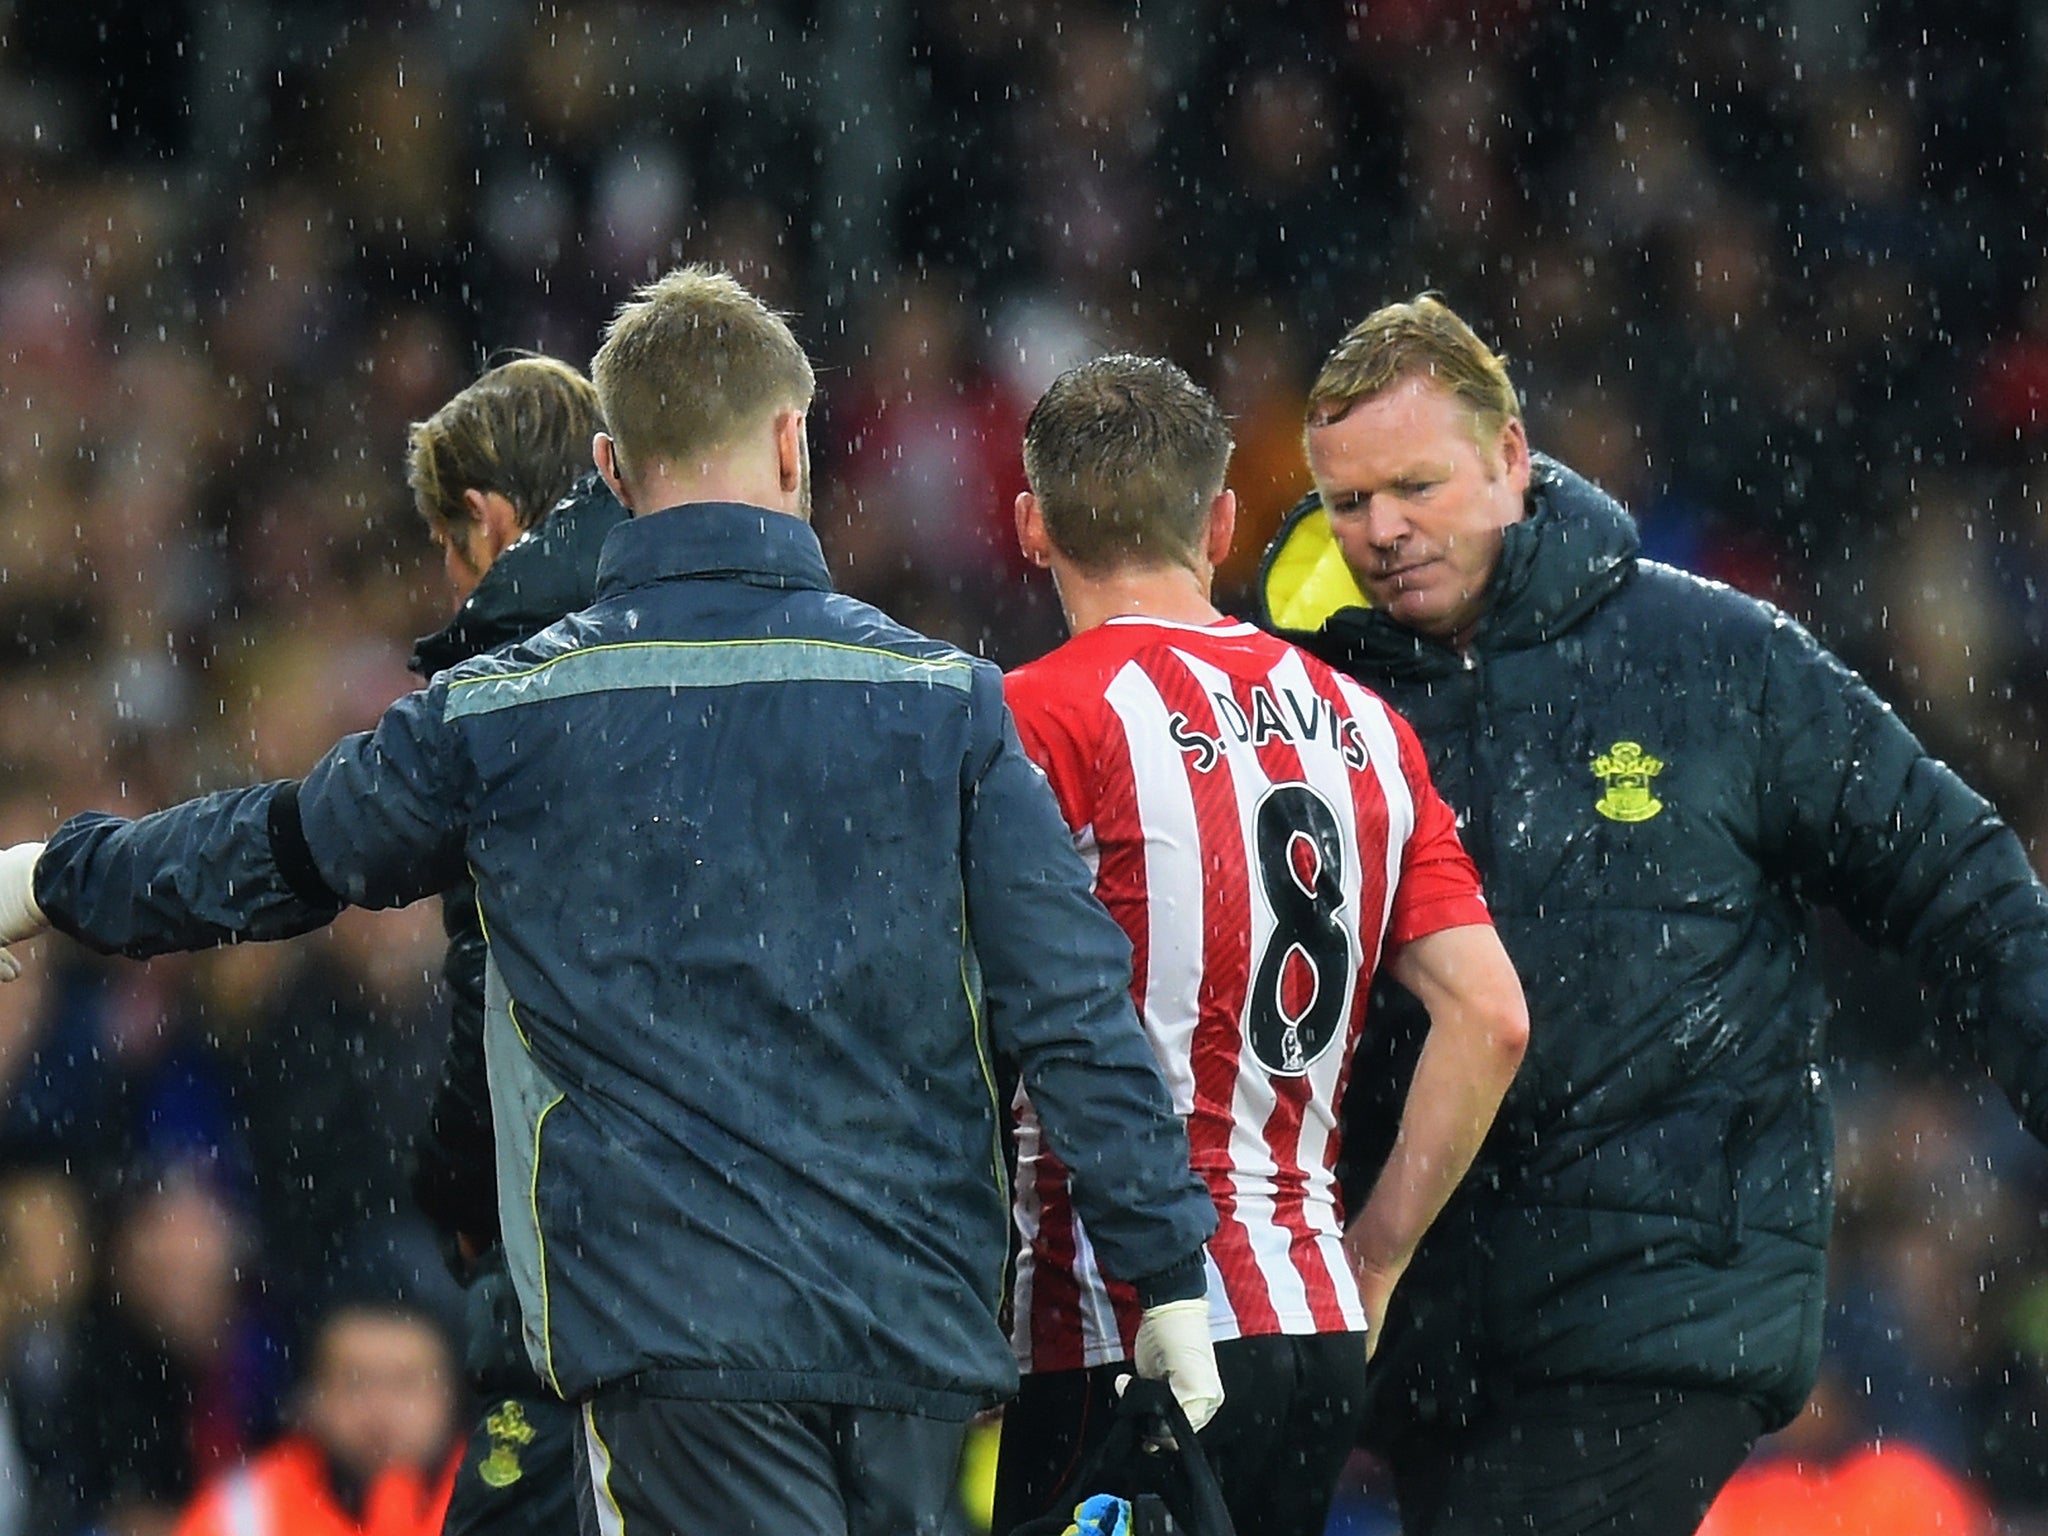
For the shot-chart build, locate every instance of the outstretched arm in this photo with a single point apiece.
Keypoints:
(1478, 1030)
(377, 823)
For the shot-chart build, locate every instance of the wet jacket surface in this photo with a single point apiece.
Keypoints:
(550, 571)
(768, 882)
(1657, 776)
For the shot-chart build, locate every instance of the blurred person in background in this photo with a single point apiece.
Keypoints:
(372, 1449)
(181, 1370)
(927, 434)
(45, 1277)
(1265, 832)
(1826, 1472)
(502, 476)
(1659, 779)
(1259, 386)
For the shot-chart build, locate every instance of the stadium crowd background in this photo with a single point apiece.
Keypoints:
(1769, 272)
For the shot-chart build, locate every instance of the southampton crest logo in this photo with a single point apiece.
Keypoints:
(1626, 770)
(509, 1431)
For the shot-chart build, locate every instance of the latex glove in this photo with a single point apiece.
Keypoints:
(20, 917)
(1173, 1346)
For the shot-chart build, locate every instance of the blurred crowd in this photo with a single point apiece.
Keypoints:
(1771, 273)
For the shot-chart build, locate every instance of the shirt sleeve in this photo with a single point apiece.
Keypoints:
(212, 871)
(1057, 739)
(1439, 886)
(385, 813)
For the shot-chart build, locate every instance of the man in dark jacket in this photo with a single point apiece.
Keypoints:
(501, 474)
(767, 884)
(1657, 778)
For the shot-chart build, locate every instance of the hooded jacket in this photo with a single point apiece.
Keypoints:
(1658, 778)
(546, 573)
(768, 884)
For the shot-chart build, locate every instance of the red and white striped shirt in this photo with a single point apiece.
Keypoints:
(1262, 828)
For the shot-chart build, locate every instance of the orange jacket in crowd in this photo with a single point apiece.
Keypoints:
(285, 1492)
(1889, 1490)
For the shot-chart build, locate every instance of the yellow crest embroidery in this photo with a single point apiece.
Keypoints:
(508, 1430)
(1626, 770)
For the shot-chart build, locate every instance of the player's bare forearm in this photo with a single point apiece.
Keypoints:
(1478, 1031)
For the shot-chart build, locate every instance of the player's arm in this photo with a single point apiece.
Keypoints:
(374, 824)
(1478, 1030)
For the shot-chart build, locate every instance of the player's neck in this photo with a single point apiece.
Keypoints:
(1173, 593)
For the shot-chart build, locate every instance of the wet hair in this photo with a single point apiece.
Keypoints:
(1126, 455)
(522, 430)
(691, 362)
(1422, 336)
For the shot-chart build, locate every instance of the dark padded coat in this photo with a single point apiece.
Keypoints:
(1657, 776)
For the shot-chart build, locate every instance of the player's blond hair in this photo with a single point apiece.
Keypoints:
(689, 364)
(523, 430)
(1425, 336)
(1126, 455)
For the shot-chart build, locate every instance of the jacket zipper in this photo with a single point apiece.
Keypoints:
(1477, 832)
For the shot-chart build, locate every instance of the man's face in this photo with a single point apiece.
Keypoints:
(1417, 505)
(471, 541)
(459, 561)
(381, 1393)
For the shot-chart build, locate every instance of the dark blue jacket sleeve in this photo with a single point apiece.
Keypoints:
(374, 824)
(215, 869)
(385, 813)
(1056, 973)
(1916, 860)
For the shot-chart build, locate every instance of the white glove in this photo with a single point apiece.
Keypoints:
(1173, 1346)
(20, 917)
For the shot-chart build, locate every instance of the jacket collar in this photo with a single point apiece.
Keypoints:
(1574, 550)
(719, 539)
(548, 571)
(1566, 558)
